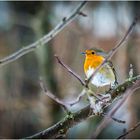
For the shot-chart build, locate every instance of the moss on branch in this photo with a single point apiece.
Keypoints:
(122, 87)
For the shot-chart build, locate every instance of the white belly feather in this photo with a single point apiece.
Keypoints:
(99, 79)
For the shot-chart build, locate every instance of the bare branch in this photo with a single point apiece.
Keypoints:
(70, 71)
(130, 130)
(78, 98)
(45, 39)
(52, 96)
(113, 118)
(72, 119)
(113, 51)
(127, 85)
(62, 127)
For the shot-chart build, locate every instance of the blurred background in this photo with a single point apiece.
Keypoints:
(24, 109)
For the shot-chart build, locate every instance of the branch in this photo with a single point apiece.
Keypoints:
(132, 83)
(62, 127)
(72, 119)
(77, 77)
(45, 39)
(130, 130)
(113, 51)
(78, 99)
(70, 71)
(52, 96)
(113, 118)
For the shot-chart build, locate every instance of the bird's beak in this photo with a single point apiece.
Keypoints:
(83, 53)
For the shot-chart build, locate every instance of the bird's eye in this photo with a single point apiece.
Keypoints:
(93, 52)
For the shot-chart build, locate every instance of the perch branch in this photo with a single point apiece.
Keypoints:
(130, 130)
(45, 39)
(113, 51)
(62, 127)
(72, 119)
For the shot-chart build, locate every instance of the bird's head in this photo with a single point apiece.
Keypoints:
(94, 52)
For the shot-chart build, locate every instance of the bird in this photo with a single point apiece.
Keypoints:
(104, 79)
(106, 75)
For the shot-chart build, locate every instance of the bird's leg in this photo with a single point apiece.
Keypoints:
(104, 99)
(96, 106)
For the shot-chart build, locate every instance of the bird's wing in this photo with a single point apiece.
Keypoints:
(114, 71)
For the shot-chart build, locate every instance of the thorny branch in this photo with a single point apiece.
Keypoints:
(45, 39)
(130, 130)
(72, 119)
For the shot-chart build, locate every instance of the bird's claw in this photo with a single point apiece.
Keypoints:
(100, 104)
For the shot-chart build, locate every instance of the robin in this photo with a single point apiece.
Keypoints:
(104, 79)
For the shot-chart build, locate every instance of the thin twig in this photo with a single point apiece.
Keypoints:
(113, 118)
(78, 98)
(52, 96)
(130, 130)
(70, 71)
(45, 39)
(113, 51)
